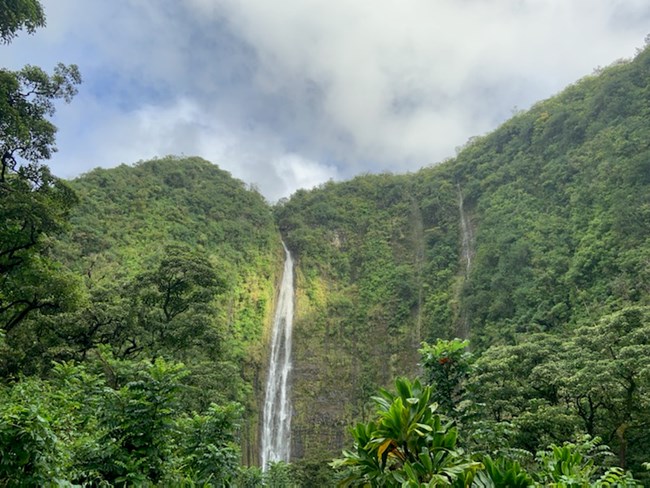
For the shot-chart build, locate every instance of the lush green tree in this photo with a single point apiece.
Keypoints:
(313, 472)
(17, 15)
(38, 284)
(519, 391)
(168, 309)
(548, 388)
(609, 379)
(409, 444)
(32, 281)
(29, 279)
(31, 454)
(114, 421)
(503, 471)
(26, 100)
(412, 446)
(173, 301)
(250, 477)
(43, 422)
(33, 203)
(447, 366)
(209, 446)
(579, 464)
(279, 475)
(136, 422)
(178, 260)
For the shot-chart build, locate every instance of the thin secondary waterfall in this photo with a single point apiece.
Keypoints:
(466, 233)
(276, 423)
(467, 248)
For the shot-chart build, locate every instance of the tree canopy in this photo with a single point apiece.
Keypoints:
(17, 15)
(33, 203)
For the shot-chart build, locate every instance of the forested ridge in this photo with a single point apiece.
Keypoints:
(513, 281)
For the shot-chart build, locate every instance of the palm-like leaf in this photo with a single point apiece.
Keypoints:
(409, 444)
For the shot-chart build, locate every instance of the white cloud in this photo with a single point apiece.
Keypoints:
(299, 172)
(182, 127)
(401, 78)
(292, 93)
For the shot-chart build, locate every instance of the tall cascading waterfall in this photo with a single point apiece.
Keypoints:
(276, 423)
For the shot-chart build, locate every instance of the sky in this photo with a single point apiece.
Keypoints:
(290, 94)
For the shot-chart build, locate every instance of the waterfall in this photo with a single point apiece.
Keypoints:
(276, 423)
(467, 234)
(467, 252)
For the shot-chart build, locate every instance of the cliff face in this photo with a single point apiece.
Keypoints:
(378, 266)
(358, 304)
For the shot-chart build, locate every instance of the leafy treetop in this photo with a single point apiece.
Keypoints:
(16, 15)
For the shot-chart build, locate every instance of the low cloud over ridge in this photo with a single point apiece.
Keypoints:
(290, 94)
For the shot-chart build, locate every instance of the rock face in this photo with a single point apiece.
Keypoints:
(362, 301)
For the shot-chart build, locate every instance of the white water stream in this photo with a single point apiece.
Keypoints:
(276, 423)
(467, 234)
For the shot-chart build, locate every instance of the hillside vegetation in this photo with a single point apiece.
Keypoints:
(195, 233)
(170, 260)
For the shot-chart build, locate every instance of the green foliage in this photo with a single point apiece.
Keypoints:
(16, 15)
(408, 445)
(565, 464)
(26, 100)
(173, 302)
(574, 465)
(123, 425)
(561, 196)
(138, 423)
(502, 471)
(278, 475)
(547, 388)
(411, 445)
(250, 477)
(146, 283)
(312, 472)
(612, 384)
(33, 203)
(31, 454)
(209, 446)
(447, 365)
